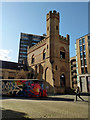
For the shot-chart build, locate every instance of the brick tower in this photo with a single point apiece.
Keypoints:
(58, 53)
(51, 57)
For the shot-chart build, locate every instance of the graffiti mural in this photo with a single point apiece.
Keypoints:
(26, 88)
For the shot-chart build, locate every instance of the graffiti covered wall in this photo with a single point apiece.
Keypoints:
(26, 88)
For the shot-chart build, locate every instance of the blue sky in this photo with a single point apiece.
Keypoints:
(30, 18)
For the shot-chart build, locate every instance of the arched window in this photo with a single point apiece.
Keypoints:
(62, 80)
(32, 60)
(56, 27)
(56, 67)
(44, 54)
(62, 53)
(46, 73)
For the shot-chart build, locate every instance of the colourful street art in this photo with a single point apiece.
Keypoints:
(26, 88)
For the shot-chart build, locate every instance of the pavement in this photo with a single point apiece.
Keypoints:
(58, 106)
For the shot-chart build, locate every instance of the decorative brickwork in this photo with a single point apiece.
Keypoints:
(56, 54)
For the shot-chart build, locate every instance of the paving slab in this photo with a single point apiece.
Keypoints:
(58, 106)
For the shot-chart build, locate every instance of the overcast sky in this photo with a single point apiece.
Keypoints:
(29, 17)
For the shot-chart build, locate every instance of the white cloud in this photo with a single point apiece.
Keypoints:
(5, 55)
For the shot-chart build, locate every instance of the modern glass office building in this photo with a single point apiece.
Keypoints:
(73, 72)
(25, 41)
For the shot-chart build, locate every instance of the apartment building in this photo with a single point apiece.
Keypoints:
(73, 72)
(83, 62)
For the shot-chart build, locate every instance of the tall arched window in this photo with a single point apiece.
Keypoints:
(32, 60)
(62, 53)
(62, 80)
(46, 73)
(44, 54)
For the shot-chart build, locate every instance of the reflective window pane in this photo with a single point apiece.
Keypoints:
(24, 45)
(85, 61)
(23, 52)
(86, 70)
(84, 53)
(88, 43)
(80, 42)
(82, 69)
(81, 55)
(81, 62)
(88, 37)
(84, 47)
(24, 41)
(83, 40)
(80, 48)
